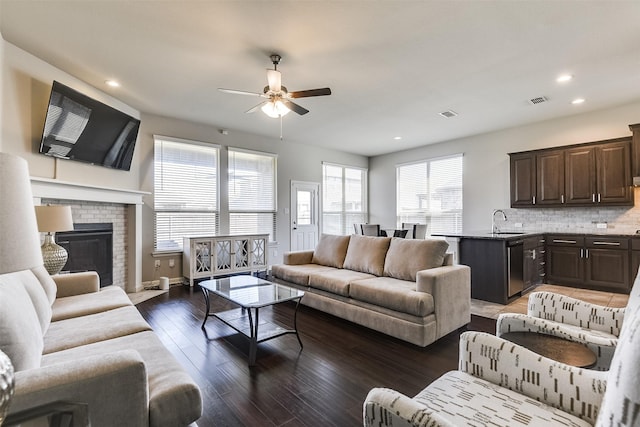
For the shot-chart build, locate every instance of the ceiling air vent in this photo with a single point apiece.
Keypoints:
(538, 100)
(448, 114)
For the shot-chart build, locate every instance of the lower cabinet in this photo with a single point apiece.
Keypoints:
(593, 262)
(534, 261)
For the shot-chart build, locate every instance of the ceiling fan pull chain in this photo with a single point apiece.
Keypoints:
(280, 127)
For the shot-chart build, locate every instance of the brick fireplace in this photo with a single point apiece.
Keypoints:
(92, 204)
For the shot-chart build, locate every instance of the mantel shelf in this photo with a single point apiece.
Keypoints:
(56, 189)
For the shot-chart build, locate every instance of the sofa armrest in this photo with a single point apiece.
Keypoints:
(574, 390)
(114, 386)
(386, 407)
(297, 257)
(572, 311)
(450, 287)
(76, 283)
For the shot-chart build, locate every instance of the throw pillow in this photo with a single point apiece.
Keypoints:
(331, 250)
(408, 256)
(366, 254)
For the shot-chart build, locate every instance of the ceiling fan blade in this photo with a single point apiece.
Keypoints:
(311, 92)
(275, 80)
(256, 108)
(295, 107)
(239, 92)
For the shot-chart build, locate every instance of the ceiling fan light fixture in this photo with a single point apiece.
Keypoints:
(275, 109)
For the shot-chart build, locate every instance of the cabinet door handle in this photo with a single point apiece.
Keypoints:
(562, 199)
(598, 197)
(581, 253)
(607, 243)
(593, 197)
(573, 242)
(534, 200)
(586, 251)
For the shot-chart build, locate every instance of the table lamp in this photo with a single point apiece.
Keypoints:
(19, 245)
(50, 220)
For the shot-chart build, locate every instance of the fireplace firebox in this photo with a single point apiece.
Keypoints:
(90, 248)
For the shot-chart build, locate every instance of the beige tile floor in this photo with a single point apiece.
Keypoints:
(492, 310)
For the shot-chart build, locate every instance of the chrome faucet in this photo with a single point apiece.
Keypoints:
(494, 227)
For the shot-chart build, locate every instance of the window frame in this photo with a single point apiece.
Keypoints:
(158, 139)
(344, 214)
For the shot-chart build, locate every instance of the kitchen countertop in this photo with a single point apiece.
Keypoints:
(514, 235)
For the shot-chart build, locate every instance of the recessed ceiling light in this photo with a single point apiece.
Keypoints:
(112, 83)
(564, 78)
(397, 138)
(577, 101)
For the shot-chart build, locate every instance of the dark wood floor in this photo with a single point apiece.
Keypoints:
(322, 385)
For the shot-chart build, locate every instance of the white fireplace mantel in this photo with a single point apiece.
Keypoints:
(46, 188)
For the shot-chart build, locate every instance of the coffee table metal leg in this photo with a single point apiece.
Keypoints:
(205, 292)
(253, 339)
(295, 323)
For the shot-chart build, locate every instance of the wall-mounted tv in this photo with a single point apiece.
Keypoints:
(80, 128)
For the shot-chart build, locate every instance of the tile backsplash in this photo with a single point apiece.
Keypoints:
(619, 220)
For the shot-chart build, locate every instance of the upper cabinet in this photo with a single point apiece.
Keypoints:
(593, 174)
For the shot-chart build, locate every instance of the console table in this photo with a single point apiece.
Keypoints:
(211, 256)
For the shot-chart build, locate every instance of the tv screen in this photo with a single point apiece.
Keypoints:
(80, 128)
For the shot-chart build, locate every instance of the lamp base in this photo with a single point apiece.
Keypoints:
(6, 385)
(53, 255)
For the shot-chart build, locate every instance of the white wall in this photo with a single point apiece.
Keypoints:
(486, 163)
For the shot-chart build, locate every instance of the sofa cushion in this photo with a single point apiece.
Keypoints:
(20, 330)
(297, 274)
(38, 297)
(108, 298)
(174, 398)
(336, 281)
(46, 282)
(331, 250)
(91, 328)
(367, 254)
(460, 398)
(395, 294)
(406, 257)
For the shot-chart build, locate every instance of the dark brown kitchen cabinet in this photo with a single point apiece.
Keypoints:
(592, 262)
(635, 258)
(549, 177)
(592, 174)
(523, 179)
(534, 262)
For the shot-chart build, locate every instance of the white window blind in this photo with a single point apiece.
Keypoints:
(252, 192)
(344, 201)
(185, 191)
(430, 192)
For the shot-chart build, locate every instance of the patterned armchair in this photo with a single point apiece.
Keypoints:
(499, 383)
(548, 313)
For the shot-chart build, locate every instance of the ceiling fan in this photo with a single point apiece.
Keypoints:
(278, 101)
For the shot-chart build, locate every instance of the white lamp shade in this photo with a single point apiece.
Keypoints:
(54, 218)
(275, 109)
(19, 238)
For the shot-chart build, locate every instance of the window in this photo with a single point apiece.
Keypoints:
(430, 192)
(344, 201)
(252, 192)
(185, 191)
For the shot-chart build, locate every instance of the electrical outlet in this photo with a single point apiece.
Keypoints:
(274, 252)
(172, 262)
(601, 225)
(157, 263)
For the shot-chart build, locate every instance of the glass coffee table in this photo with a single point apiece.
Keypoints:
(251, 294)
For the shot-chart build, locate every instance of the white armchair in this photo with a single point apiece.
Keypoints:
(503, 384)
(548, 313)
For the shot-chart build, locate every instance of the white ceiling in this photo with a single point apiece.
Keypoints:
(392, 65)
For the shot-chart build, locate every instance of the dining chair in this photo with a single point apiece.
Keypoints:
(371, 229)
(400, 233)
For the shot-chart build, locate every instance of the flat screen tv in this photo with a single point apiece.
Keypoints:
(80, 128)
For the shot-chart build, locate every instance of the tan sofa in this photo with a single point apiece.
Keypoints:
(71, 341)
(405, 288)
